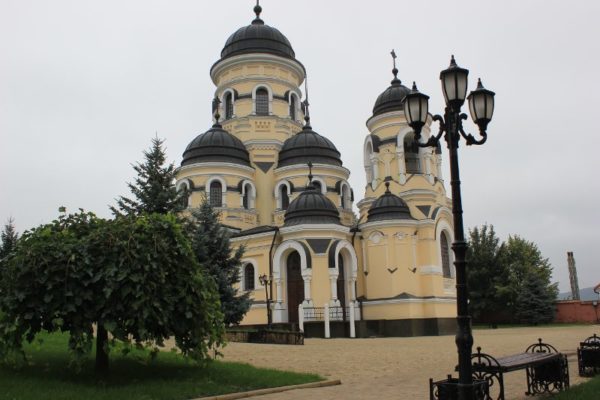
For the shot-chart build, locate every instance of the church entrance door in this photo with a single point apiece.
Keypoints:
(295, 286)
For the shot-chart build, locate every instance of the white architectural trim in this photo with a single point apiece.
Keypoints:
(265, 86)
(212, 165)
(276, 192)
(244, 59)
(223, 105)
(345, 195)
(322, 183)
(430, 270)
(279, 277)
(223, 189)
(315, 228)
(251, 198)
(336, 168)
(296, 105)
(254, 264)
(443, 226)
(348, 253)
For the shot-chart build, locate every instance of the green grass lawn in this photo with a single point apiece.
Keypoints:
(589, 390)
(134, 377)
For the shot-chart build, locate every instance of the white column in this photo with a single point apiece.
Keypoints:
(352, 327)
(401, 166)
(301, 317)
(307, 292)
(326, 312)
(428, 167)
(333, 285)
(375, 171)
(438, 162)
(353, 289)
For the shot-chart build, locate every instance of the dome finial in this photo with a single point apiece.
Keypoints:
(257, 11)
(310, 175)
(387, 187)
(306, 103)
(395, 70)
(216, 105)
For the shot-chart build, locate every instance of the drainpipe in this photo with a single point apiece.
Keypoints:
(271, 263)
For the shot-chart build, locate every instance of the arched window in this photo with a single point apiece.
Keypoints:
(262, 102)
(445, 250)
(228, 105)
(411, 154)
(293, 107)
(317, 186)
(216, 194)
(246, 200)
(249, 277)
(346, 197)
(284, 196)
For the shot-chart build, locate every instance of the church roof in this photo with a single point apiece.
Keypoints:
(311, 207)
(388, 206)
(257, 38)
(216, 145)
(308, 145)
(392, 98)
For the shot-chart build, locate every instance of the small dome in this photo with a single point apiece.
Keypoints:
(311, 207)
(216, 145)
(388, 206)
(257, 38)
(392, 98)
(308, 145)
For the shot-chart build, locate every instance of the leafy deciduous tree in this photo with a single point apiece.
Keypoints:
(134, 277)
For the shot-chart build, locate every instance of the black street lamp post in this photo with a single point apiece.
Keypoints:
(266, 282)
(481, 105)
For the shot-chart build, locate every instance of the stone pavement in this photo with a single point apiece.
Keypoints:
(400, 368)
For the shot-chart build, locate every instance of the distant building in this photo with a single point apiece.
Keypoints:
(393, 262)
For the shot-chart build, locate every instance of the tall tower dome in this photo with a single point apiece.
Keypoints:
(252, 162)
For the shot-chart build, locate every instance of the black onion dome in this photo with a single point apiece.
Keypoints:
(388, 206)
(257, 38)
(392, 98)
(311, 207)
(308, 145)
(216, 145)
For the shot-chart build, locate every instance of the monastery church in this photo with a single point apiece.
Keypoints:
(282, 189)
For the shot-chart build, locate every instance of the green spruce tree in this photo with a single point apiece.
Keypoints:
(210, 242)
(154, 187)
(8, 239)
(534, 302)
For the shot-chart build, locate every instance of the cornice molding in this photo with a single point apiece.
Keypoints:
(234, 61)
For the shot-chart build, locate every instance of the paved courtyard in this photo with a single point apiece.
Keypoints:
(399, 368)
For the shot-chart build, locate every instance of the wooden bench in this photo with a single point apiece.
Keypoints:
(588, 356)
(547, 370)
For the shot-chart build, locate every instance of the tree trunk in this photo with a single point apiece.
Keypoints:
(101, 350)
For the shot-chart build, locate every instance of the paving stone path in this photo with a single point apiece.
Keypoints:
(400, 368)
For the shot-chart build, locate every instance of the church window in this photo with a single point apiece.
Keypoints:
(411, 154)
(285, 198)
(216, 194)
(317, 186)
(228, 105)
(262, 102)
(293, 107)
(445, 249)
(249, 277)
(246, 199)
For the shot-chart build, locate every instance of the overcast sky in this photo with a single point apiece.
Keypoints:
(85, 85)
